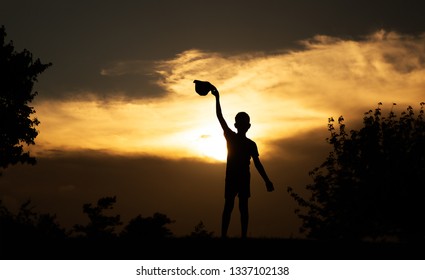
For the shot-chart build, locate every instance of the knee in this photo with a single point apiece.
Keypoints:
(243, 205)
(228, 205)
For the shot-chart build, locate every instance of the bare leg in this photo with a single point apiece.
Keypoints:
(243, 208)
(227, 212)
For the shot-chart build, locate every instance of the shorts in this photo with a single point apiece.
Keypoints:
(237, 186)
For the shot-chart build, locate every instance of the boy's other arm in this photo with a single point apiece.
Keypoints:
(218, 110)
(262, 171)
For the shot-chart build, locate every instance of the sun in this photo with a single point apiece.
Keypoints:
(210, 145)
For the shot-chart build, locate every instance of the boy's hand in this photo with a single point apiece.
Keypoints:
(215, 93)
(269, 186)
(214, 90)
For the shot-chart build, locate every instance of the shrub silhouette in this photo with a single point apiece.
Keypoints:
(150, 227)
(28, 225)
(200, 231)
(371, 185)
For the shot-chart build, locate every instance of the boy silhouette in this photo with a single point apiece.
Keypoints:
(240, 150)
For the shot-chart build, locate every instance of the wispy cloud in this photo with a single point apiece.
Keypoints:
(329, 72)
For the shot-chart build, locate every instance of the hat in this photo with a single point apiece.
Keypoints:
(202, 87)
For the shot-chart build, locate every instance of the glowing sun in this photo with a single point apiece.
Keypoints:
(211, 146)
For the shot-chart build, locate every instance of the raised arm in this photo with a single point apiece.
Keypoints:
(220, 117)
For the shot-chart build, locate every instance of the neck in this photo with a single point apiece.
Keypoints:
(241, 133)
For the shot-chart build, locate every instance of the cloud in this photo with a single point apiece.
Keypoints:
(329, 71)
(286, 93)
(330, 76)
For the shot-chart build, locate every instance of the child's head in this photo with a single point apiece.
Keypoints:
(242, 122)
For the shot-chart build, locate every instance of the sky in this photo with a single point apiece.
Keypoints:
(119, 114)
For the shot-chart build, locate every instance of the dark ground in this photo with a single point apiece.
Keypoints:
(207, 249)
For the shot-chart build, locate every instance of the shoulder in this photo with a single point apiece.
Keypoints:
(228, 133)
(251, 142)
(253, 147)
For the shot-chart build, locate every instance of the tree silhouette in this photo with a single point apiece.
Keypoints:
(100, 226)
(371, 185)
(18, 73)
(150, 227)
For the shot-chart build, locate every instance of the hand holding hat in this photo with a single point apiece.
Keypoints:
(204, 87)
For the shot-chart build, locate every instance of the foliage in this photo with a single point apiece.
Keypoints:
(28, 225)
(100, 225)
(150, 227)
(28, 229)
(371, 185)
(18, 73)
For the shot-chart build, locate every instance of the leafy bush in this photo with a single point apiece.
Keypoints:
(371, 185)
